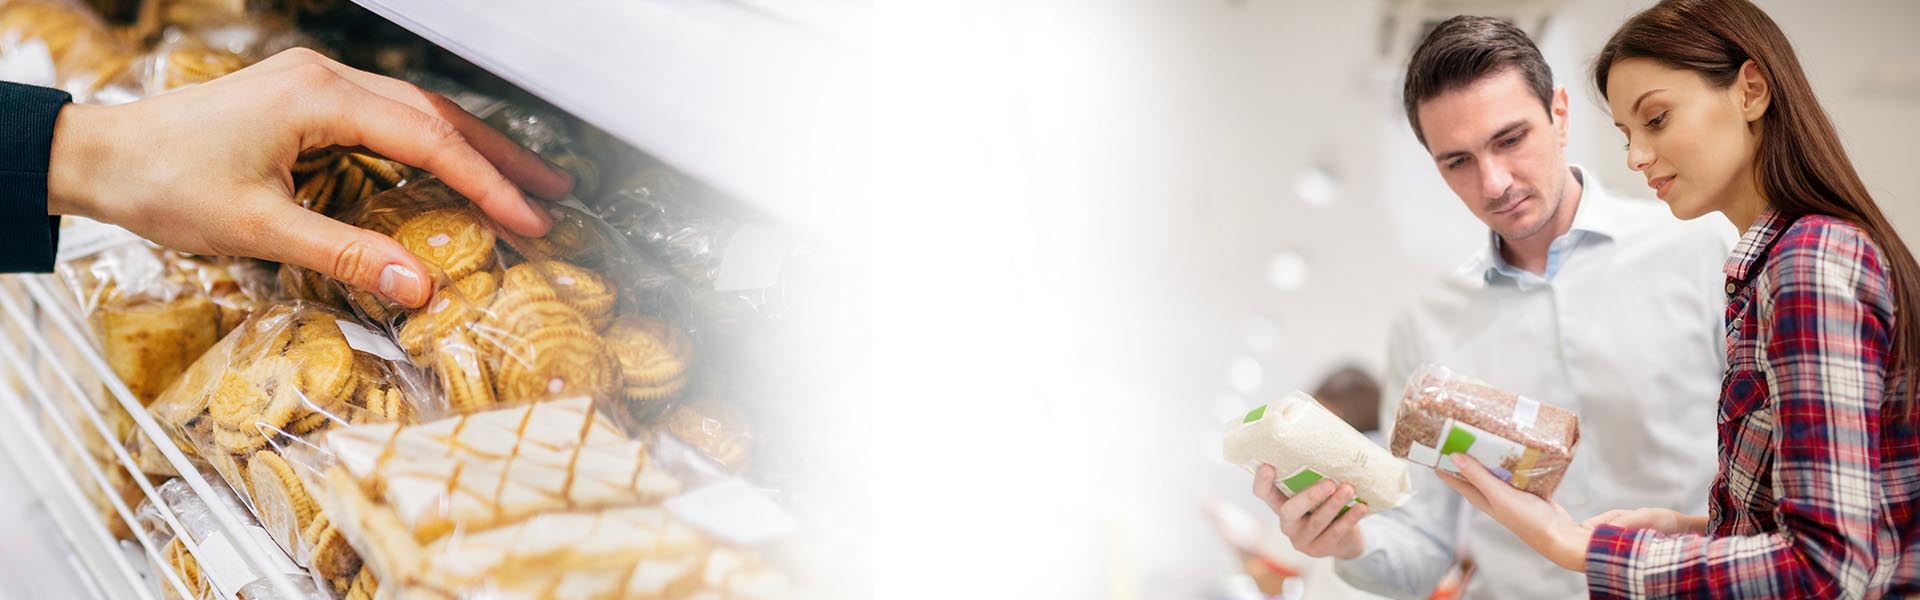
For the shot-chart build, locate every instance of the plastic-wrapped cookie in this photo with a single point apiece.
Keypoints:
(573, 238)
(557, 361)
(457, 240)
(464, 375)
(718, 429)
(653, 358)
(279, 498)
(444, 315)
(582, 288)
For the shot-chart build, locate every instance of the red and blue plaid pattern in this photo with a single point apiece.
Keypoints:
(1817, 486)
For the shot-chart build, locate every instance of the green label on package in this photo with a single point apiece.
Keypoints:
(1304, 478)
(1511, 461)
(1255, 414)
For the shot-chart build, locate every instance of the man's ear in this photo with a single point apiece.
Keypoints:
(1755, 92)
(1559, 113)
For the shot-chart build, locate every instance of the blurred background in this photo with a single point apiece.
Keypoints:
(1133, 221)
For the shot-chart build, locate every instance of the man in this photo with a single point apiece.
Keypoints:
(1606, 306)
(1352, 394)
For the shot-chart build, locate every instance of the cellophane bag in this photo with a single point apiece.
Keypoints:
(551, 499)
(200, 532)
(515, 320)
(283, 378)
(1522, 441)
(84, 54)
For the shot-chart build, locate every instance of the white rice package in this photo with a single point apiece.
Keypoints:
(1306, 443)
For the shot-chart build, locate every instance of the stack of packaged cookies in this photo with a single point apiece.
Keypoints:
(517, 320)
(547, 500)
(287, 375)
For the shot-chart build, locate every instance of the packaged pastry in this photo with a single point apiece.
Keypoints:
(272, 386)
(1305, 443)
(1522, 441)
(181, 572)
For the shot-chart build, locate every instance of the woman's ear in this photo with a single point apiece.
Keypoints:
(1754, 91)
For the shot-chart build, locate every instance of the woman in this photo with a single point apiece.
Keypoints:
(1819, 454)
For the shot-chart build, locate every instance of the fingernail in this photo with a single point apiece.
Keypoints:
(1459, 460)
(400, 284)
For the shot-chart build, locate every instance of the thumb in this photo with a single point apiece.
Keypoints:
(360, 258)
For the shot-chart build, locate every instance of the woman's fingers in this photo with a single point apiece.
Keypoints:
(287, 233)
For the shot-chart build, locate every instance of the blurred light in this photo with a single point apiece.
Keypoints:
(1245, 373)
(1316, 187)
(1287, 271)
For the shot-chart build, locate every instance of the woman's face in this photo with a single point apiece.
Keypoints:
(1695, 143)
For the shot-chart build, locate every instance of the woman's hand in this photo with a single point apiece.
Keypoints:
(1663, 520)
(1544, 526)
(207, 169)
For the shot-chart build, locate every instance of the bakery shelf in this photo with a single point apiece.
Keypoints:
(759, 99)
(61, 386)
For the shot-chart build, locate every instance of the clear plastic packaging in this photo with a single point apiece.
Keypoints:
(545, 132)
(544, 500)
(181, 60)
(1305, 443)
(515, 320)
(85, 54)
(1522, 441)
(222, 568)
(286, 376)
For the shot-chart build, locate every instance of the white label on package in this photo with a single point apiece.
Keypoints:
(229, 571)
(1525, 411)
(753, 259)
(81, 237)
(734, 510)
(365, 340)
(1499, 455)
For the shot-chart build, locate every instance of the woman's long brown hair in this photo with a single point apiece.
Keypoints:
(1803, 168)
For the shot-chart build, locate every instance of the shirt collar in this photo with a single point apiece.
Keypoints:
(1755, 242)
(1597, 214)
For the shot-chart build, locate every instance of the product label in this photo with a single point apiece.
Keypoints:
(1255, 414)
(221, 560)
(734, 510)
(753, 259)
(365, 340)
(1511, 461)
(1304, 478)
(1525, 412)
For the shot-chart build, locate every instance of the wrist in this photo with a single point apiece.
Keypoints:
(80, 150)
(1356, 545)
(1570, 548)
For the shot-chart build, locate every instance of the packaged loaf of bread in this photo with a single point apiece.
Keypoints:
(1305, 443)
(1522, 441)
(74, 49)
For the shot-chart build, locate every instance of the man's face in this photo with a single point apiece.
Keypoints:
(1500, 152)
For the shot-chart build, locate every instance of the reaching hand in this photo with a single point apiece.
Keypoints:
(207, 169)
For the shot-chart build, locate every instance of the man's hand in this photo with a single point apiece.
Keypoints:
(1666, 521)
(207, 169)
(1312, 519)
(1543, 525)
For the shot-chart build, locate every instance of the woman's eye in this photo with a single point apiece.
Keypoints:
(1657, 121)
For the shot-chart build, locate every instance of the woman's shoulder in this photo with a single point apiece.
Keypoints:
(1822, 252)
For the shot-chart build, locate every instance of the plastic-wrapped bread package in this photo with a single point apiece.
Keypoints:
(547, 500)
(73, 49)
(1305, 443)
(516, 320)
(202, 558)
(1522, 441)
(286, 376)
(180, 60)
(156, 310)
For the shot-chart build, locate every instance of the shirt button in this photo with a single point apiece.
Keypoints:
(1731, 287)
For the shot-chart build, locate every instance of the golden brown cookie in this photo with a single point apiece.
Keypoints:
(557, 361)
(718, 429)
(187, 567)
(279, 498)
(578, 287)
(478, 287)
(444, 316)
(653, 357)
(521, 313)
(332, 557)
(364, 586)
(464, 376)
(312, 422)
(573, 238)
(236, 401)
(457, 240)
(396, 408)
(238, 441)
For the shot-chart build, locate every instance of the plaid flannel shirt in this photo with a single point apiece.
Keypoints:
(1817, 486)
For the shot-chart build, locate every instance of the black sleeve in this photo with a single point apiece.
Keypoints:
(27, 233)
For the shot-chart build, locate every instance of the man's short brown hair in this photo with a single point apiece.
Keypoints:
(1463, 50)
